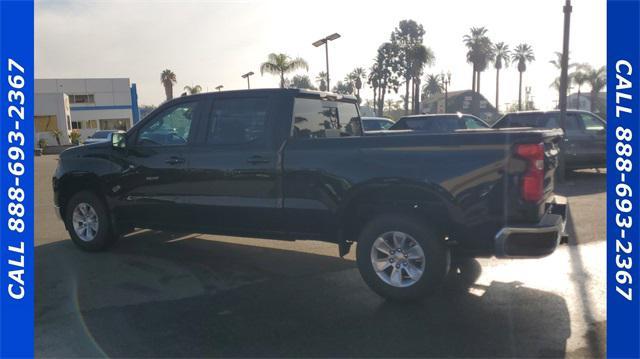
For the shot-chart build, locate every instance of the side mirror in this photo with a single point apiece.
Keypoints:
(118, 140)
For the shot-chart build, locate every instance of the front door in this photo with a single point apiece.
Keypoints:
(154, 163)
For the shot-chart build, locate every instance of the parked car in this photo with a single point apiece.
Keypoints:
(585, 137)
(370, 124)
(439, 123)
(293, 164)
(101, 136)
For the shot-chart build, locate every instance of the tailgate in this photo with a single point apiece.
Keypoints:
(551, 142)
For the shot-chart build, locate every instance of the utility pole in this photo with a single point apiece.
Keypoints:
(564, 77)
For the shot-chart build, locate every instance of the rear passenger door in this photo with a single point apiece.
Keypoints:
(319, 153)
(233, 177)
(595, 133)
(577, 141)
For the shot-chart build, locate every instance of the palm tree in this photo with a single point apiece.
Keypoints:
(433, 86)
(597, 80)
(355, 77)
(167, 79)
(501, 59)
(479, 53)
(192, 90)
(322, 81)
(579, 77)
(522, 54)
(280, 64)
(421, 56)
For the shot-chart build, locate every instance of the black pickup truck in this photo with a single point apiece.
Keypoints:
(292, 164)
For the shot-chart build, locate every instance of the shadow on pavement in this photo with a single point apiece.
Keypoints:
(584, 182)
(161, 295)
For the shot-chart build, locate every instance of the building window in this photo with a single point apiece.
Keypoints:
(76, 125)
(45, 123)
(93, 124)
(81, 99)
(115, 124)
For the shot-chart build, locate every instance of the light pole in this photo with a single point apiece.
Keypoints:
(325, 42)
(219, 88)
(246, 76)
(446, 81)
(562, 101)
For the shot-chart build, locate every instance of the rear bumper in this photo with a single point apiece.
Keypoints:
(531, 241)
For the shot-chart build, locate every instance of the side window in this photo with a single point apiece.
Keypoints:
(314, 118)
(169, 128)
(236, 121)
(572, 123)
(471, 123)
(591, 124)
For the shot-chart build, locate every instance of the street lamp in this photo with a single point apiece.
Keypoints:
(246, 76)
(325, 42)
(446, 81)
(219, 88)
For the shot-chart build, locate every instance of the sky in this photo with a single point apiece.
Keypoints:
(213, 43)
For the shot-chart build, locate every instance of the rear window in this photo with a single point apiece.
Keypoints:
(535, 120)
(437, 124)
(316, 118)
(376, 125)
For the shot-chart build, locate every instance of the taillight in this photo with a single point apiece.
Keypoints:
(533, 179)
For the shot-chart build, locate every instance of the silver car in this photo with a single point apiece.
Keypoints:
(101, 136)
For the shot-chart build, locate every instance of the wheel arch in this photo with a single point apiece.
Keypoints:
(428, 203)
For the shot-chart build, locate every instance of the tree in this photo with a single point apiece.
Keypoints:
(412, 56)
(302, 82)
(597, 80)
(501, 59)
(522, 54)
(344, 88)
(579, 77)
(322, 81)
(385, 73)
(479, 53)
(167, 79)
(557, 63)
(281, 64)
(433, 86)
(355, 77)
(192, 90)
(422, 56)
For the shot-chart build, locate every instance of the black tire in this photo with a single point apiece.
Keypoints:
(104, 236)
(436, 264)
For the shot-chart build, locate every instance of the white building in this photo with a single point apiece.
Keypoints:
(83, 105)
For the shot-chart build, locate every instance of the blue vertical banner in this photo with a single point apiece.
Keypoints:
(623, 179)
(16, 184)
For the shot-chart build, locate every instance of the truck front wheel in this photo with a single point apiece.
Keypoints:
(401, 258)
(87, 221)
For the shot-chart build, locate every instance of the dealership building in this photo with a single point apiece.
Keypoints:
(83, 105)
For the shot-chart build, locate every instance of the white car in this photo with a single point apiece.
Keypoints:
(100, 136)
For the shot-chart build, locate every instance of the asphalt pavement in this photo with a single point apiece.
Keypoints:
(191, 295)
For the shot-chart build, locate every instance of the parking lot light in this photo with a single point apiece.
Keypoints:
(246, 76)
(325, 41)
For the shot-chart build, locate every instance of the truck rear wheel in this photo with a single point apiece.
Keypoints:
(87, 221)
(401, 258)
